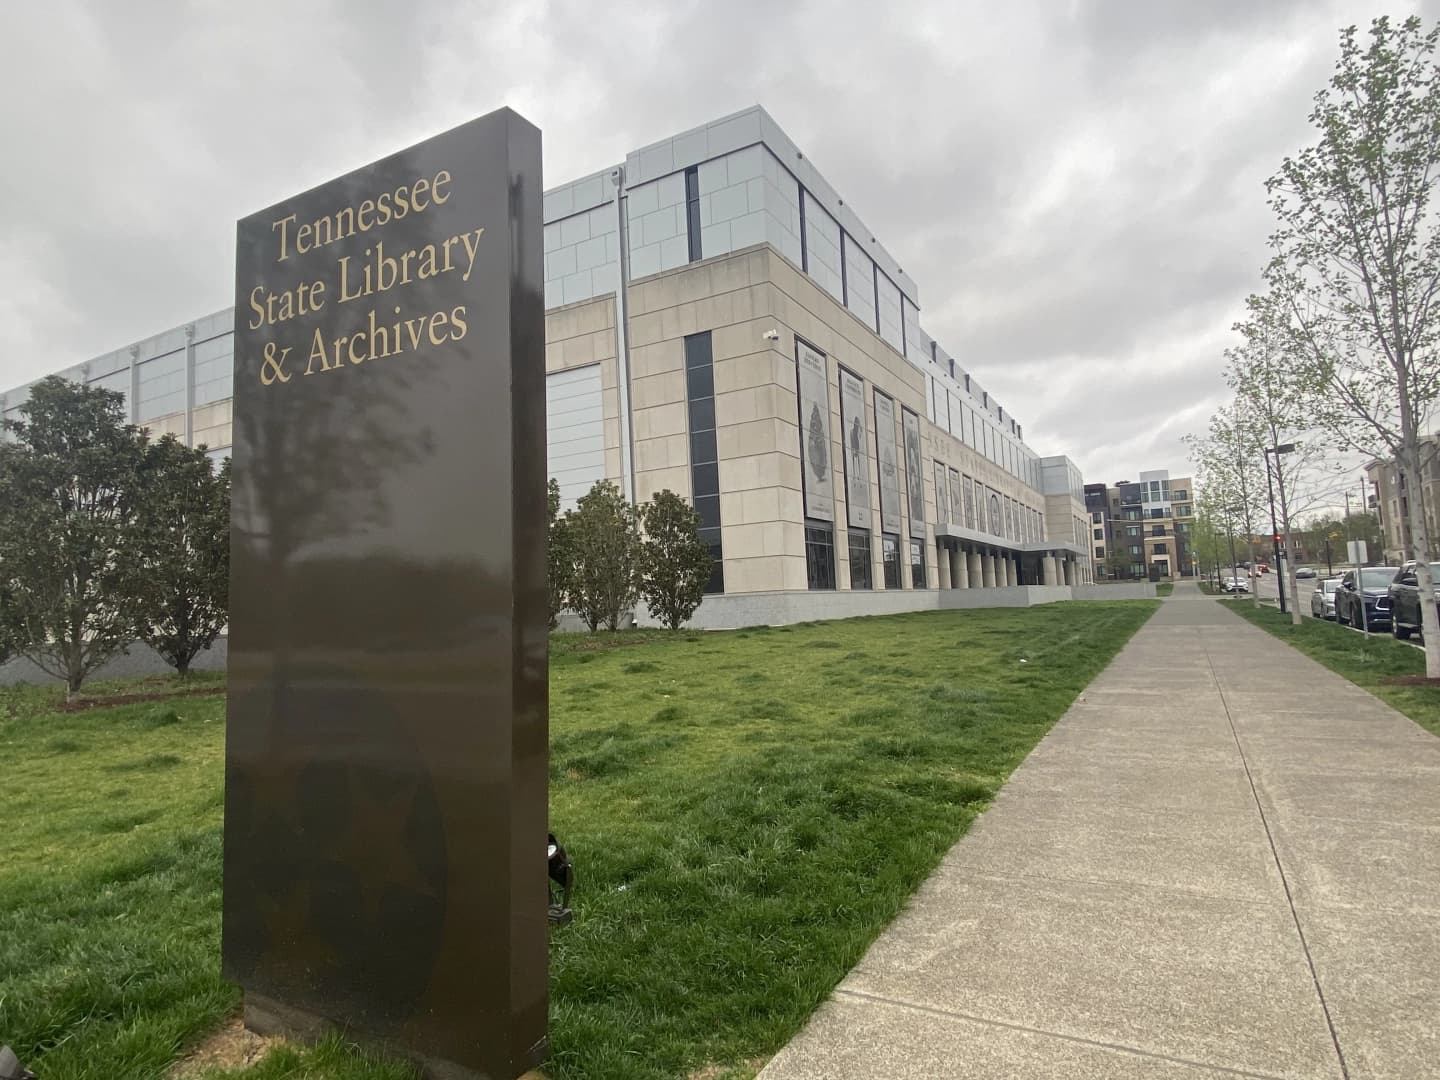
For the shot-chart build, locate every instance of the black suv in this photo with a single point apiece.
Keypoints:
(1405, 599)
(1374, 585)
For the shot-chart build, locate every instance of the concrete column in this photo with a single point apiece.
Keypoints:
(987, 568)
(977, 570)
(1069, 571)
(942, 565)
(959, 569)
(1047, 569)
(1012, 574)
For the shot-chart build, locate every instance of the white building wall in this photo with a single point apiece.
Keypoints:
(822, 247)
(575, 431)
(655, 221)
(859, 282)
(888, 311)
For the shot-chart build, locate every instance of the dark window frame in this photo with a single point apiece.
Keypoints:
(890, 545)
(704, 449)
(820, 572)
(918, 578)
(858, 544)
(692, 211)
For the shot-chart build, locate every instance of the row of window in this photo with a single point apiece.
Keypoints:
(820, 565)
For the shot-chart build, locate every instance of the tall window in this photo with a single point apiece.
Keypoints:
(860, 576)
(917, 564)
(692, 210)
(890, 547)
(704, 460)
(820, 556)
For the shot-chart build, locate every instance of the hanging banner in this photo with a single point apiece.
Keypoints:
(957, 503)
(1009, 520)
(914, 478)
(942, 489)
(888, 455)
(970, 504)
(995, 523)
(857, 451)
(815, 445)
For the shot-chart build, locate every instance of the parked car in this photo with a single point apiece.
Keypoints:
(1306, 572)
(1235, 584)
(1322, 600)
(1370, 586)
(1262, 568)
(1405, 599)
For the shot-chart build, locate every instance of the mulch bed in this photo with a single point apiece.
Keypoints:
(1409, 680)
(81, 704)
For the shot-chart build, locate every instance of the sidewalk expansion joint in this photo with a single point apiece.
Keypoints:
(975, 871)
(1280, 866)
(1121, 1048)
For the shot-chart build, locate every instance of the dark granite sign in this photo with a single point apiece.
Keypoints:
(385, 798)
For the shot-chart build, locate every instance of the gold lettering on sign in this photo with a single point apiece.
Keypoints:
(380, 269)
(272, 367)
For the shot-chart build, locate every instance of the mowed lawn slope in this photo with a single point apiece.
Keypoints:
(746, 810)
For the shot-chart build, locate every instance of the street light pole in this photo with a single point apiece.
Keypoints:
(1285, 582)
(1274, 535)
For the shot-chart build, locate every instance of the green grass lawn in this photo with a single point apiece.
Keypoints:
(1364, 663)
(1164, 588)
(746, 810)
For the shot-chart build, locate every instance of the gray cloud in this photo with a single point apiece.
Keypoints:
(1076, 189)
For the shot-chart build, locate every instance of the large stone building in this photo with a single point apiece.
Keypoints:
(1146, 522)
(721, 323)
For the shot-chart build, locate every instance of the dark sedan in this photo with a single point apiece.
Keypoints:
(1405, 599)
(1374, 587)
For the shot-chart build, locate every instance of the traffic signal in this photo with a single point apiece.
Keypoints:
(1277, 538)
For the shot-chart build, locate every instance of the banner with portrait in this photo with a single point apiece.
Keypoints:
(888, 455)
(857, 451)
(815, 446)
(914, 476)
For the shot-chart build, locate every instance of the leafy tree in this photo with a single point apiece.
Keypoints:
(560, 560)
(1232, 476)
(1356, 264)
(68, 539)
(1117, 562)
(605, 541)
(1263, 375)
(8, 636)
(675, 562)
(184, 528)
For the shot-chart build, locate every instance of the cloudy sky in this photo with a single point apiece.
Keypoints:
(1076, 187)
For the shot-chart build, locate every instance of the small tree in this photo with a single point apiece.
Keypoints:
(1264, 375)
(184, 527)
(1117, 563)
(7, 618)
(559, 559)
(1231, 465)
(605, 544)
(675, 562)
(68, 539)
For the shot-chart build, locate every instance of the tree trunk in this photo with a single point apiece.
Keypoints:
(1420, 552)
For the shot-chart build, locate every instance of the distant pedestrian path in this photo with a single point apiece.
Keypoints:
(1224, 860)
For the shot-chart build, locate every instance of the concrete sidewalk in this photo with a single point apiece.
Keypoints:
(1223, 860)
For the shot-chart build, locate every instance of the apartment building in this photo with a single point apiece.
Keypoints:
(1141, 529)
(1389, 498)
